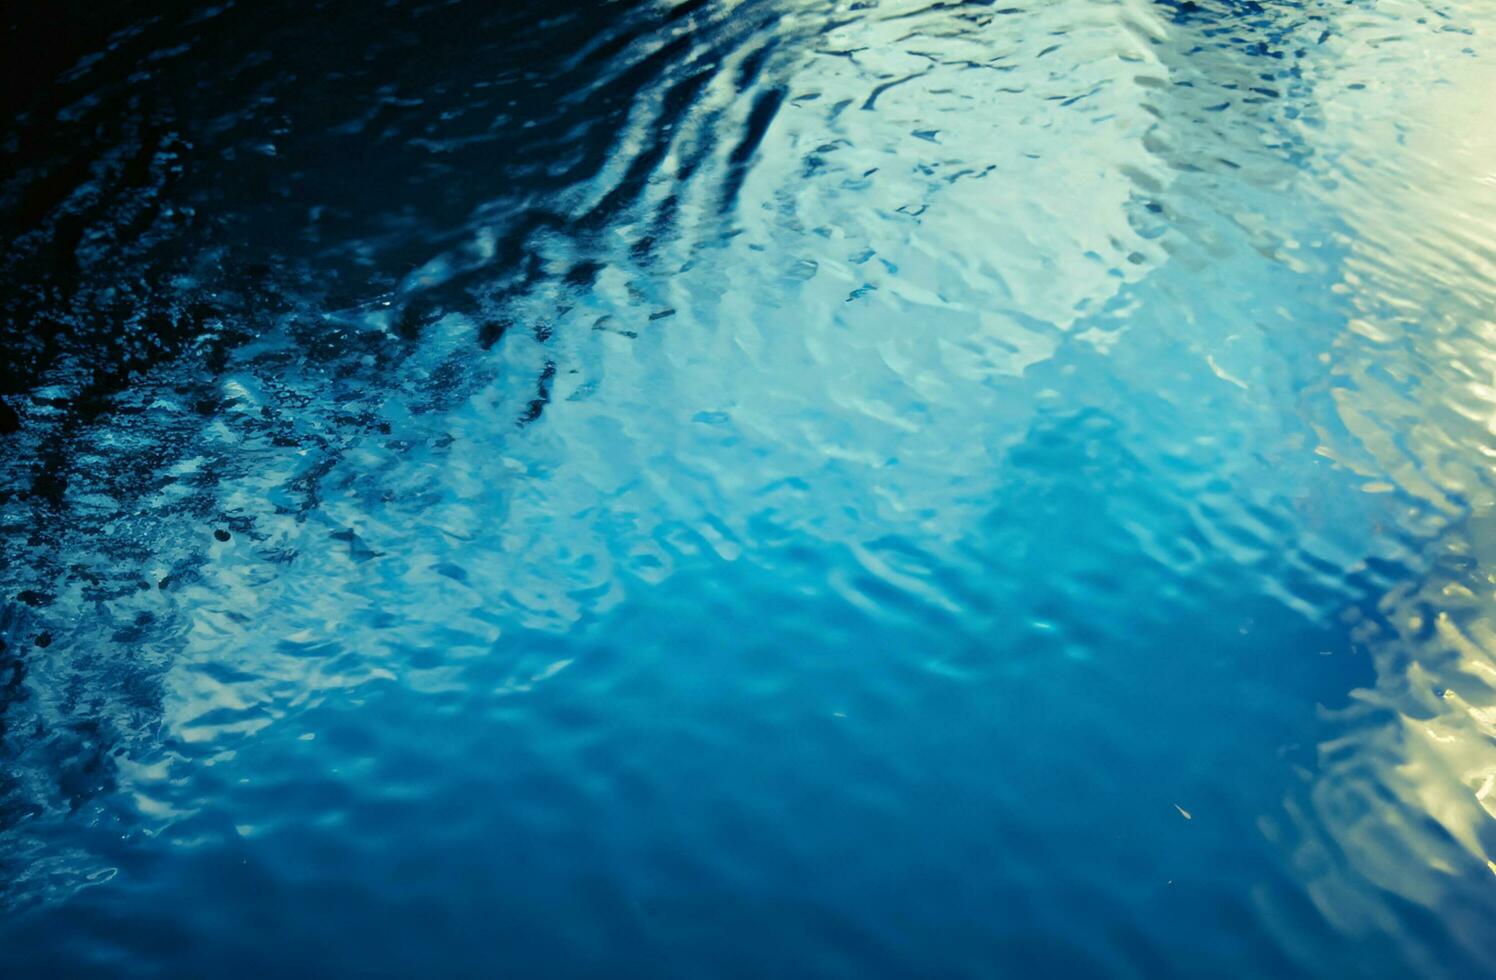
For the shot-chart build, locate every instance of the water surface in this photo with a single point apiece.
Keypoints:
(855, 489)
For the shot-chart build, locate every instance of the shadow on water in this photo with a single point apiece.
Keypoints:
(162, 189)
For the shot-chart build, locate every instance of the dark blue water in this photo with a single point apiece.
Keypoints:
(758, 489)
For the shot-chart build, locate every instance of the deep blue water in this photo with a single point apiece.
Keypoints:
(749, 489)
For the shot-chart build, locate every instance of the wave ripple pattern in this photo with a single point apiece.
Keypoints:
(762, 488)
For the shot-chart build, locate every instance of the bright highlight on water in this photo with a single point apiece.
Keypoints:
(749, 489)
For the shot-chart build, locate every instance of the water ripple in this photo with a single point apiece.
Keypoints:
(869, 488)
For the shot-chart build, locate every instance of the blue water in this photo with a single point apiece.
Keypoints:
(760, 489)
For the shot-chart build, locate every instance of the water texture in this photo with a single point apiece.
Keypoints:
(749, 489)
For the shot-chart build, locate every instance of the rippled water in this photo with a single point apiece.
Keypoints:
(759, 488)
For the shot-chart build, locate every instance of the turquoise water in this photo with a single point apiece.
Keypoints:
(760, 489)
